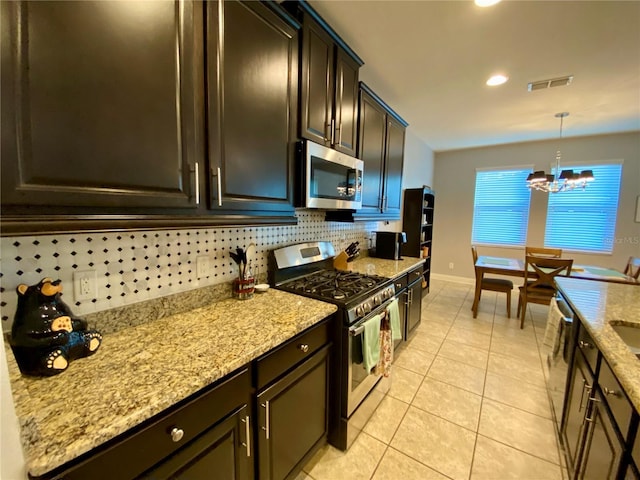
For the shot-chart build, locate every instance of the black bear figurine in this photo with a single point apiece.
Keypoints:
(45, 335)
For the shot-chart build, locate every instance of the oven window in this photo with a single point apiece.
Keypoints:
(358, 372)
(334, 181)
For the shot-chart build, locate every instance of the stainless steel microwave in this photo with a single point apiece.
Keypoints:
(332, 180)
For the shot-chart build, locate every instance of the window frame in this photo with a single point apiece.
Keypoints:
(608, 238)
(523, 172)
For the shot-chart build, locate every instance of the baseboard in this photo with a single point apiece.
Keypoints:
(453, 278)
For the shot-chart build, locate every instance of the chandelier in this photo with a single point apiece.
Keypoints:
(568, 180)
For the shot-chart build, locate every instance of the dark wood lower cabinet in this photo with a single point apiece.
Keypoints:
(602, 450)
(414, 300)
(591, 438)
(224, 449)
(293, 418)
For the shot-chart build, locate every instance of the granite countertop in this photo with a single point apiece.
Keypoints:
(143, 369)
(384, 267)
(597, 304)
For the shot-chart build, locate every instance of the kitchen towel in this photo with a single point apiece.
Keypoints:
(371, 343)
(551, 342)
(394, 315)
(386, 348)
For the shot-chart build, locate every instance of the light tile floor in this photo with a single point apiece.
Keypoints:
(467, 401)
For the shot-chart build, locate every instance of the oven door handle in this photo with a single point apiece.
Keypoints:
(357, 330)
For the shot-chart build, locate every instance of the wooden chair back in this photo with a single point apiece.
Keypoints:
(633, 267)
(539, 272)
(543, 252)
(474, 253)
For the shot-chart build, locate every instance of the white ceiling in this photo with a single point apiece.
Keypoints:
(429, 61)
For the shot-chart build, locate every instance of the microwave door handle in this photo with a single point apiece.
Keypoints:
(349, 172)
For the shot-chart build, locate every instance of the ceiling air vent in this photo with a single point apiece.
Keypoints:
(553, 82)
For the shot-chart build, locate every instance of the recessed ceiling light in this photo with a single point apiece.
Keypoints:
(497, 80)
(486, 3)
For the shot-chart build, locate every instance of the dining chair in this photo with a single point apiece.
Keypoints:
(493, 284)
(539, 286)
(633, 267)
(543, 252)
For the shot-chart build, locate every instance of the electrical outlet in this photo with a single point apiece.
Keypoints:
(203, 267)
(450, 265)
(85, 285)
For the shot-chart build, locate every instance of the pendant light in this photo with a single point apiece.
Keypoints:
(568, 180)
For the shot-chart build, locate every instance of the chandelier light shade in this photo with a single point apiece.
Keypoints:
(567, 180)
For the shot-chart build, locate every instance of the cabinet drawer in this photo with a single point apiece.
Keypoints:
(400, 282)
(131, 455)
(414, 275)
(588, 348)
(286, 356)
(615, 397)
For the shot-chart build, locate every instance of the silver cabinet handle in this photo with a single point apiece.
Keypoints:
(333, 131)
(585, 388)
(247, 431)
(265, 405)
(219, 183)
(176, 434)
(195, 181)
(303, 347)
(590, 419)
(608, 391)
(339, 128)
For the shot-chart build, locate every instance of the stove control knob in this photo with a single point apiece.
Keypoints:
(377, 300)
(360, 310)
(367, 307)
(387, 293)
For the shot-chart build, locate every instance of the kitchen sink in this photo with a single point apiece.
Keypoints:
(629, 335)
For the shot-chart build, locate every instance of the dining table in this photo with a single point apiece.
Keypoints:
(514, 267)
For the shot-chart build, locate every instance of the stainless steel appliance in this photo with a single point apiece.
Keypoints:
(389, 245)
(331, 179)
(307, 269)
(557, 344)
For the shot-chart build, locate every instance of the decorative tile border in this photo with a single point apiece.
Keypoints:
(143, 265)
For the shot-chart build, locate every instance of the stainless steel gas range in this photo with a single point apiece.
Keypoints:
(307, 269)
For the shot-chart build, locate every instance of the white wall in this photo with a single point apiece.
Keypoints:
(454, 175)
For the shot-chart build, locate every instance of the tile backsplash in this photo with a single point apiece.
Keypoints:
(142, 265)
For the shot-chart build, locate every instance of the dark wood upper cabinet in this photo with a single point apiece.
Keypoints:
(371, 149)
(381, 134)
(99, 105)
(252, 98)
(328, 83)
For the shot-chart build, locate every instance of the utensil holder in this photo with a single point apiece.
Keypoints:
(243, 289)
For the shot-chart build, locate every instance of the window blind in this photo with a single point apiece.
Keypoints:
(585, 220)
(501, 207)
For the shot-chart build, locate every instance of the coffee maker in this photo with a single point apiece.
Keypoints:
(389, 245)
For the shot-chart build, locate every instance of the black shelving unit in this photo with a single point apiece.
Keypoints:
(417, 222)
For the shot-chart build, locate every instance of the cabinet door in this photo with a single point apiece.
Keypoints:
(603, 450)
(414, 305)
(579, 392)
(317, 83)
(252, 78)
(346, 103)
(224, 449)
(292, 417)
(394, 161)
(99, 105)
(371, 150)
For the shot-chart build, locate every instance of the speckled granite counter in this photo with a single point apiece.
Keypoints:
(385, 268)
(144, 369)
(597, 304)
